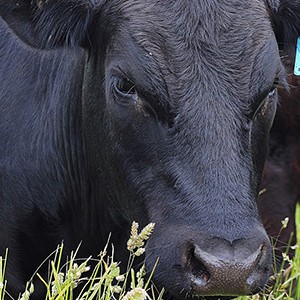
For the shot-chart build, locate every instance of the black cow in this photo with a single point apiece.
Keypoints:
(154, 111)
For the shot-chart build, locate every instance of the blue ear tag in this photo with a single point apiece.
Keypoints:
(297, 59)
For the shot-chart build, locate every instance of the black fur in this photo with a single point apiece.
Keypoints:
(81, 155)
(53, 23)
(285, 18)
(70, 30)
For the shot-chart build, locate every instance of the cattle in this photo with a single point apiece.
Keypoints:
(147, 110)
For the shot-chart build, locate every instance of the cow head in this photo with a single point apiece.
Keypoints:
(177, 103)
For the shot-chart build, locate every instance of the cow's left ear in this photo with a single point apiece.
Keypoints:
(285, 17)
(47, 24)
(63, 22)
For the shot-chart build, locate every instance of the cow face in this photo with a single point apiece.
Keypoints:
(188, 97)
(177, 101)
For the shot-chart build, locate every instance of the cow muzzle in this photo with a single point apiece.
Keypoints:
(227, 271)
(214, 266)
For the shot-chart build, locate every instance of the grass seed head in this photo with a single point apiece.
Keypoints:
(285, 222)
(136, 294)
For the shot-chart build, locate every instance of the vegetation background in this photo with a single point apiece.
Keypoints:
(69, 280)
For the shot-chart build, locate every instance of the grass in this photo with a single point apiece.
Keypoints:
(2, 273)
(105, 281)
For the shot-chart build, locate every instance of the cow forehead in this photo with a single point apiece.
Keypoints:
(215, 39)
(217, 23)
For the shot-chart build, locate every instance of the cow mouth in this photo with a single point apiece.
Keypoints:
(189, 296)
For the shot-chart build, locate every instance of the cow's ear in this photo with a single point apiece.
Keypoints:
(63, 22)
(50, 23)
(285, 17)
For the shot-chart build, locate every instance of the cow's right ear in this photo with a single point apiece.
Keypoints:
(50, 23)
(285, 18)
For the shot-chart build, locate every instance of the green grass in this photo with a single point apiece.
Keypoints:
(107, 283)
(2, 274)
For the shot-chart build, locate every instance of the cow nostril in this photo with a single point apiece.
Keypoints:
(260, 267)
(197, 268)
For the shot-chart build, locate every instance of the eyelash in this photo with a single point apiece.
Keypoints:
(125, 86)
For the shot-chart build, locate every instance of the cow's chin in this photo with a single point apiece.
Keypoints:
(188, 297)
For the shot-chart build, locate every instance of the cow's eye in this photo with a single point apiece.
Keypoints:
(124, 90)
(125, 87)
(273, 90)
(269, 100)
(272, 93)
